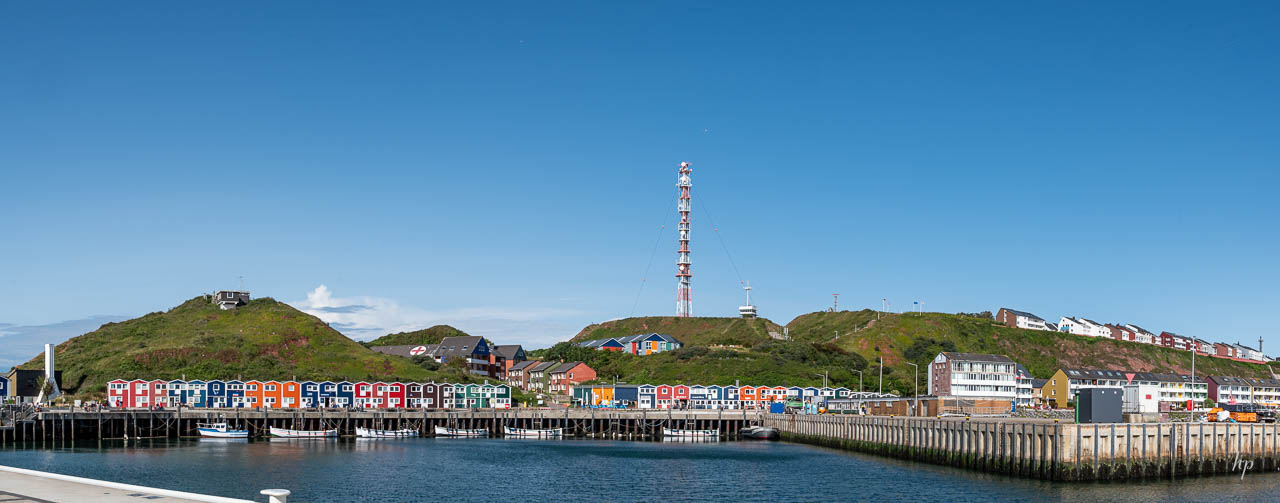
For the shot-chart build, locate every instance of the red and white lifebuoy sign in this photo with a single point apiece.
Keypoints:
(418, 350)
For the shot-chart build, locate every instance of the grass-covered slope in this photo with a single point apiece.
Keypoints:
(690, 331)
(432, 335)
(263, 340)
(772, 362)
(841, 343)
(917, 338)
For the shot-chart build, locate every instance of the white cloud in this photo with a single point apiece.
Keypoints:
(365, 318)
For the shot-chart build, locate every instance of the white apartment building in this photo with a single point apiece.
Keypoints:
(973, 375)
(1142, 335)
(1083, 326)
(1244, 391)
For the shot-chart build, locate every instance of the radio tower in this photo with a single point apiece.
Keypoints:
(684, 292)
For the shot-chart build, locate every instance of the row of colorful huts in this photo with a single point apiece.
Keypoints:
(142, 393)
(681, 396)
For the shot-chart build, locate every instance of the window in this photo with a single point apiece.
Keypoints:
(270, 387)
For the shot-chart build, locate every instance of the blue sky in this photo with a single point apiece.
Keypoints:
(506, 167)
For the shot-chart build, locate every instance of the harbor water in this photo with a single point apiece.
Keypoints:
(484, 470)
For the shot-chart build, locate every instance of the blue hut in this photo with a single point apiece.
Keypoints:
(731, 394)
(626, 396)
(309, 395)
(173, 393)
(216, 394)
(235, 394)
(328, 392)
(195, 394)
(346, 396)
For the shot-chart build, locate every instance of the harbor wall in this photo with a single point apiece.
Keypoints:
(1048, 451)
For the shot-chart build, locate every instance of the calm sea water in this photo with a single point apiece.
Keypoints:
(484, 470)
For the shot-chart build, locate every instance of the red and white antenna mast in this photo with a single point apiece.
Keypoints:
(684, 292)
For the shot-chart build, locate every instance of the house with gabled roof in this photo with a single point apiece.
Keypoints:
(567, 374)
(1142, 335)
(1083, 326)
(1013, 318)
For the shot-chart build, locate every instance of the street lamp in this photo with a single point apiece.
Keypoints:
(915, 391)
(859, 380)
(881, 375)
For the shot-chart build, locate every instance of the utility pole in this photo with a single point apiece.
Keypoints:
(881, 375)
(859, 380)
(1193, 370)
(915, 391)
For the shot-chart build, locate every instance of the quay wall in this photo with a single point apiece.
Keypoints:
(1045, 450)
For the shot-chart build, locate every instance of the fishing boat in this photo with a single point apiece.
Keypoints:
(287, 433)
(759, 433)
(220, 430)
(457, 432)
(528, 433)
(372, 433)
(674, 433)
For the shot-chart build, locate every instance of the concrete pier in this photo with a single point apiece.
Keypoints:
(54, 427)
(19, 485)
(1046, 450)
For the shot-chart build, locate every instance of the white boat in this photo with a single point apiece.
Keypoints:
(287, 433)
(528, 433)
(673, 433)
(220, 430)
(456, 432)
(372, 433)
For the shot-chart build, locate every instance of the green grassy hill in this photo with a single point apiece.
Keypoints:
(425, 336)
(917, 338)
(263, 340)
(841, 343)
(690, 331)
(782, 362)
(707, 356)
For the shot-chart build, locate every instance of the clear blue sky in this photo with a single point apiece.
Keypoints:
(505, 168)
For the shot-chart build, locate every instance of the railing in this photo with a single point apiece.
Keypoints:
(273, 495)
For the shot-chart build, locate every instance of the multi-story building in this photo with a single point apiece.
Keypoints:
(539, 376)
(973, 375)
(567, 374)
(1244, 390)
(1122, 333)
(1083, 326)
(1026, 387)
(1021, 319)
(1176, 341)
(505, 356)
(1142, 335)
(518, 375)
(1174, 389)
